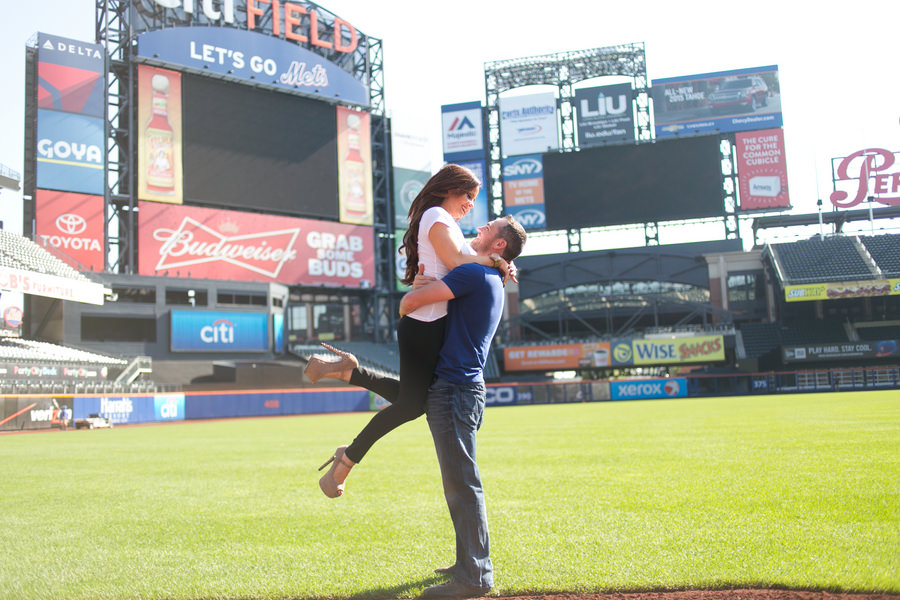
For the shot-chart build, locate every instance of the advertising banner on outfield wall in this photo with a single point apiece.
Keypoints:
(841, 351)
(218, 331)
(160, 135)
(354, 144)
(762, 170)
(28, 413)
(646, 389)
(604, 115)
(122, 410)
(186, 241)
(725, 101)
(523, 190)
(528, 124)
(463, 135)
(669, 351)
(556, 357)
(73, 225)
(838, 290)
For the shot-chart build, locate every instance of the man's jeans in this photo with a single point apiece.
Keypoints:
(454, 413)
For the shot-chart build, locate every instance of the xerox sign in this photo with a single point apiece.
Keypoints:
(648, 388)
(217, 331)
(183, 241)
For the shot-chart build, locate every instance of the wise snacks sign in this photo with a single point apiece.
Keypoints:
(669, 351)
(185, 241)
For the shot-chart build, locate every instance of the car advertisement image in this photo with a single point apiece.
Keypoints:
(725, 101)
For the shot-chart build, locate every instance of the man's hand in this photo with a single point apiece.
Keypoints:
(426, 293)
(421, 279)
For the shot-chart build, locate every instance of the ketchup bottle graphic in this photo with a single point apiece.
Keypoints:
(160, 140)
(354, 171)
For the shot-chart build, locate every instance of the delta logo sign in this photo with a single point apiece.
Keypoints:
(869, 172)
(282, 46)
(71, 76)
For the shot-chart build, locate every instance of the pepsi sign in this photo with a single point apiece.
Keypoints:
(217, 331)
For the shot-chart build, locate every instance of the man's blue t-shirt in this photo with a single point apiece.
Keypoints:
(472, 319)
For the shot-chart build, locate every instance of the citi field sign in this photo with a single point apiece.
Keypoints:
(289, 45)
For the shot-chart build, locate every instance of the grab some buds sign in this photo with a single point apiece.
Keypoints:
(182, 241)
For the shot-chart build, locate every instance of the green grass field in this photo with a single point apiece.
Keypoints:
(799, 491)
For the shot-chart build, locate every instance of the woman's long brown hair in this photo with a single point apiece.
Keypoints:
(451, 179)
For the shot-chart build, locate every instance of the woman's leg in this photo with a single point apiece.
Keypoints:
(419, 343)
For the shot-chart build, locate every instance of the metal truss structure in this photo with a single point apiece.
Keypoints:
(117, 24)
(562, 70)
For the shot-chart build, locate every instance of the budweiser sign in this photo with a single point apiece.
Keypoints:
(184, 241)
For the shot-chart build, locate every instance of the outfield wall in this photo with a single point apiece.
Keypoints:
(33, 412)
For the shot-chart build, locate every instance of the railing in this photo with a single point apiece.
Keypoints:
(138, 366)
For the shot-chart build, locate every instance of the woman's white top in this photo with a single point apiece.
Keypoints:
(428, 257)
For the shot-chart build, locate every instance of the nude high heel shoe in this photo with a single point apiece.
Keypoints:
(332, 482)
(318, 368)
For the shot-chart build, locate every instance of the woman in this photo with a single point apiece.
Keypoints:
(435, 241)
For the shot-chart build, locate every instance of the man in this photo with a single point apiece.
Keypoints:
(456, 398)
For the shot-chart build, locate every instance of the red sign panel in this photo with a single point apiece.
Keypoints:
(186, 241)
(73, 225)
(762, 170)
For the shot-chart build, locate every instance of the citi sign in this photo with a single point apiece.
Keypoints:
(222, 331)
(215, 331)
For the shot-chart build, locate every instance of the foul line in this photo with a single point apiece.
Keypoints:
(11, 417)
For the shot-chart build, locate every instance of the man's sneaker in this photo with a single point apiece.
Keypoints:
(455, 589)
(446, 571)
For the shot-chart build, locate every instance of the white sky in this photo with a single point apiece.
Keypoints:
(837, 61)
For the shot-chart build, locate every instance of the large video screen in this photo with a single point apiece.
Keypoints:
(250, 148)
(615, 185)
